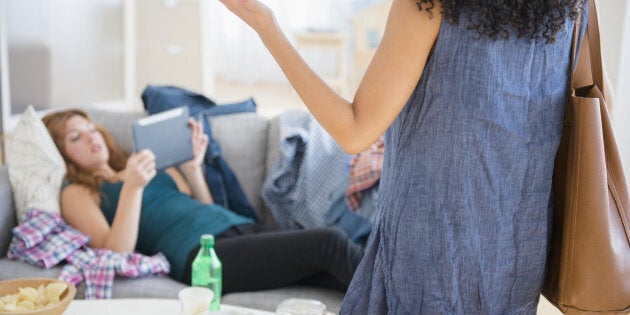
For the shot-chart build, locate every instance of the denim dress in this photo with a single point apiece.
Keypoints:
(465, 203)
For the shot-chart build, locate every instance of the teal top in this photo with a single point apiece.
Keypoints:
(171, 222)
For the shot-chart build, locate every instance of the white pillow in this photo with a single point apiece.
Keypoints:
(36, 168)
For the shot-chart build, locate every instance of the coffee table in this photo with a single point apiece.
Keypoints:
(171, 307)
(146, 306)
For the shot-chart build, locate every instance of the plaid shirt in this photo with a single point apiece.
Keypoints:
(300, 185)
(365, 172)
(43, 239)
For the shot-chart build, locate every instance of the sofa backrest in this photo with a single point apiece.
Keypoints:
(118, 123)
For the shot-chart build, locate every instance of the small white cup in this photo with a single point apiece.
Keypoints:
(195, 300)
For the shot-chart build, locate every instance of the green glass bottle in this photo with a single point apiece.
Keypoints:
(207, 270)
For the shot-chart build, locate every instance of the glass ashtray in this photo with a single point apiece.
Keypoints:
(301, 307)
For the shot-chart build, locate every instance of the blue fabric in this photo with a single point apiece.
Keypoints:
(170, 222)
(225, 188)
(464, 208)
(246, 106)
(300, 187)
(357, 224)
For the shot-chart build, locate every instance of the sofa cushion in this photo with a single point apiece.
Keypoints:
(147, 287)
(166, 288)
(36, 168)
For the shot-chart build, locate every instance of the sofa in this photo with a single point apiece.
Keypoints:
(249, 143)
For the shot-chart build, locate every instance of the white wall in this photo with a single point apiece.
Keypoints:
(614, 19)
(87, 51)
(28, 39)
(64, 52)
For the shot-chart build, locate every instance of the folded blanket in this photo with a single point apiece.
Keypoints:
(44, 240)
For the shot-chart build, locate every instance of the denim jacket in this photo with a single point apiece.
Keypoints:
(225, 188)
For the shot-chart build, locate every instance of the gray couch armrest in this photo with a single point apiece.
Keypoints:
(8, 219)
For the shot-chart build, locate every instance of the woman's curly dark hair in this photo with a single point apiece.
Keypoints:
(536, 19)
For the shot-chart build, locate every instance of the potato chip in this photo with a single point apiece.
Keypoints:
(27, 304)
(29, 294)
(57, 288)
(10, 307)
(10, 298)
(41, 294)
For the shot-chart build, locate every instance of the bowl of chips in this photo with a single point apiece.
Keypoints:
(37, 296)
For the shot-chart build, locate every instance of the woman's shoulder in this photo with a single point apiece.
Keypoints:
(74, 190)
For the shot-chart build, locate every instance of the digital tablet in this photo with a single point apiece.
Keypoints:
(167, 135)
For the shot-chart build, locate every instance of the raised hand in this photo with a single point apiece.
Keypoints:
(252, 12)
(199, 143)
(140, 168)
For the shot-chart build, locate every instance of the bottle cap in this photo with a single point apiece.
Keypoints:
(207, 240)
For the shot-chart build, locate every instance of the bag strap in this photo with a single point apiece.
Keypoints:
(595, 48)
(589, 70)
(573, 61)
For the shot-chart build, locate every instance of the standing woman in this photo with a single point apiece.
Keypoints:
(470, 95)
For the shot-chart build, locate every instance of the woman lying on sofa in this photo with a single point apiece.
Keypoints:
(125, 205)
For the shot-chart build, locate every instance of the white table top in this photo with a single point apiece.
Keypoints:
(171, 307)
(145, 306)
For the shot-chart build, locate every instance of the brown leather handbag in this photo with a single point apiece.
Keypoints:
(589, 263)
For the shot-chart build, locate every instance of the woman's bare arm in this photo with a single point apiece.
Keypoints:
(388, 82)
(81, 209)
(191, 180)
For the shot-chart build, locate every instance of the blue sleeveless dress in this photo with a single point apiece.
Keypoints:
(464, 207)
(170, 222)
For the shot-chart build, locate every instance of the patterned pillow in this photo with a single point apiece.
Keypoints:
(36, 168)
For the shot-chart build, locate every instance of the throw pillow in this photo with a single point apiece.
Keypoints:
(36, 168)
